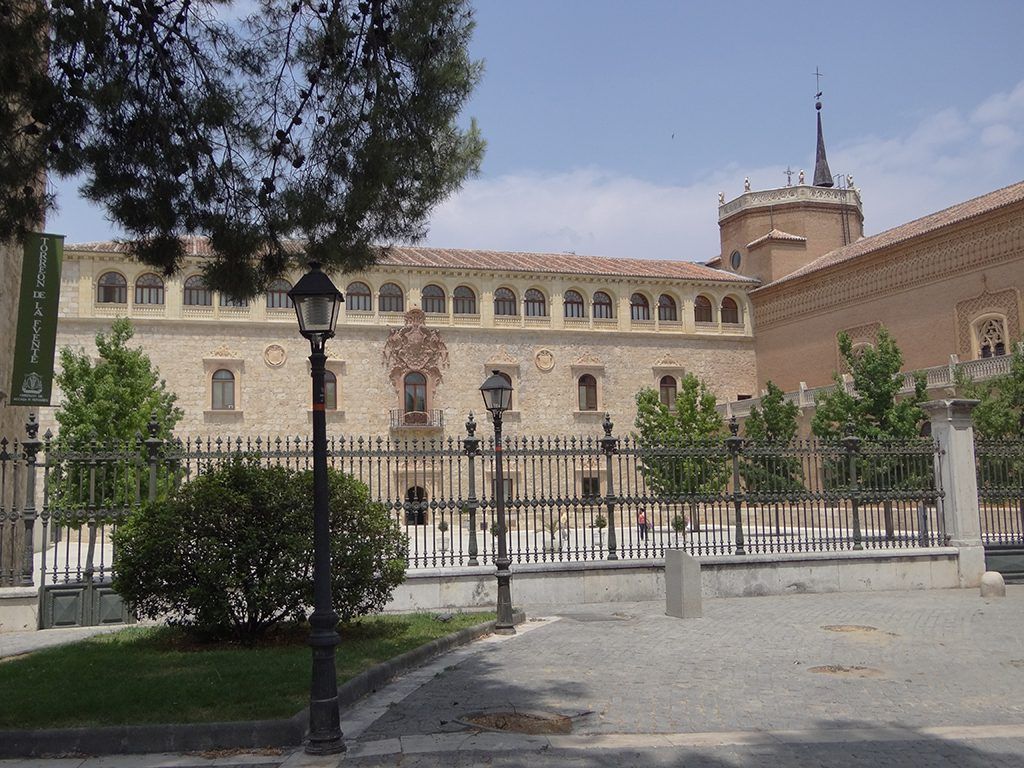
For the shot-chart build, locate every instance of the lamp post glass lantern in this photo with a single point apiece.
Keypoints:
(317, 302)
(497, 394)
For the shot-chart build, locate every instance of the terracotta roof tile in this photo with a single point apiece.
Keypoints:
(916, 228)
(504, 261)
(776, 234)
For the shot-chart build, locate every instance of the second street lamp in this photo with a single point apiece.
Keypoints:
(497, 394)
(317, 302)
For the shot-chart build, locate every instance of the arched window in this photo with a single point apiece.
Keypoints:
(505, 302)
(667, 308)
(667, 391)
(587, 390)
(730, 311)
(196, 293)
(433, 299)
(702, 310)
(991, 340)
(639, 308)
(277, 295)
(231, 301)
(391, 298)
(415, 386)
(464, 301)
(573, 303)
(330, 391)
(416, 506)
(603, 306)
(223, 394)
(534, 304)
(149, 289)
(112, 288)
(358, 298)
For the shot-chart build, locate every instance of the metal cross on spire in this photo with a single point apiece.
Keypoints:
(789, 176)
(817, 82)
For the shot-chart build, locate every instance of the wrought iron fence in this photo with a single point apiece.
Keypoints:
(1000, 465)
(567, 499)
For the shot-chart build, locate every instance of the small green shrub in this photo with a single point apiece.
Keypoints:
(442, 526)
(230, 554)
(600, 521)
(679, 524)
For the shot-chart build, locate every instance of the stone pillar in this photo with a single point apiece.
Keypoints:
(953, 429)
(682, 585)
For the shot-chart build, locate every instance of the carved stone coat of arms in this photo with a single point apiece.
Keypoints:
(414, 347)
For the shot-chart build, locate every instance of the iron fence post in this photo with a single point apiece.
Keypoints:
(30, 447)
(734, 443)
(852, 444)
(153, 444)
(471, 446)
(609, 445)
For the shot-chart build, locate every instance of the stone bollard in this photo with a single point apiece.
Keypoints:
(682, 585)
(992, 584)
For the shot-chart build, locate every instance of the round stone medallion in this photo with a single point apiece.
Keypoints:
(274, 355)
(544, 359)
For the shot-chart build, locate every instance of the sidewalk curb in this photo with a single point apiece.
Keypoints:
(198, 737)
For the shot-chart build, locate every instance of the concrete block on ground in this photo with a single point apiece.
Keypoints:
(992, 584)
(682, 585)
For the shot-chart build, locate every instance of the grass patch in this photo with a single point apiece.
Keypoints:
(160, 675)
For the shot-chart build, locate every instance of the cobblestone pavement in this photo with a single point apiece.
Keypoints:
(846, 680)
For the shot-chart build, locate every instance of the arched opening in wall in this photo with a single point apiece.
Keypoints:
(639, 307)
(277, 295)
(433, 299)
(505, 302)
(730, 311)
(149, 289)
(112, 288)
(535, 304)
(196, 293)
(223, 390)
(414, 387)
(603, 306)
(702, 312)
(358, 297)
(391, 298)
(464, 301)
(667, 309)
(991, 336)
(667, 391)
(572, 301)
(330, 391)
(416, 506)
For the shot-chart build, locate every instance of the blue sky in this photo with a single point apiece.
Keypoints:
(612, 126)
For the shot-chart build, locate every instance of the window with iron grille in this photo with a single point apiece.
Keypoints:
(667, 391)
(464, 301)
(573, 303)
(112, 288)
(639, 308)
(590, 486)
(587, 388)
(505, 302)
(667, 308)
(223, 390)
(277, 295)
(391, 298)
(358, 298)
(603, 306)
(534, 304)
(149, 289)
(433, 299)
(196, 293)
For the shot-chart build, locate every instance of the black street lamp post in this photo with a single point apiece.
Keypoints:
(497, 394)
(317, 302)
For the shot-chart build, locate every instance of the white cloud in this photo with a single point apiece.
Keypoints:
(947, 157)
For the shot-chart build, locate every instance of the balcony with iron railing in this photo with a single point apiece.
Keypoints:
(417, 420)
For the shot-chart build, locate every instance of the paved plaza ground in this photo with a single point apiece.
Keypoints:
(855, 679)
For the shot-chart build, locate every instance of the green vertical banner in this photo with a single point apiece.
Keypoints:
(32, 379)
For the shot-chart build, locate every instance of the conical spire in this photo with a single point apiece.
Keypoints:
(822, 175)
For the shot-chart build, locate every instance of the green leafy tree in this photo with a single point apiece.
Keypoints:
(333, 122)
(874, 408)
(1000, 414)
(680, 453)
(877, 414)
(231, 553)
(114, 398)
(771, 428)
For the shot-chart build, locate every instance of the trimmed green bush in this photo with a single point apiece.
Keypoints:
(231, 553)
